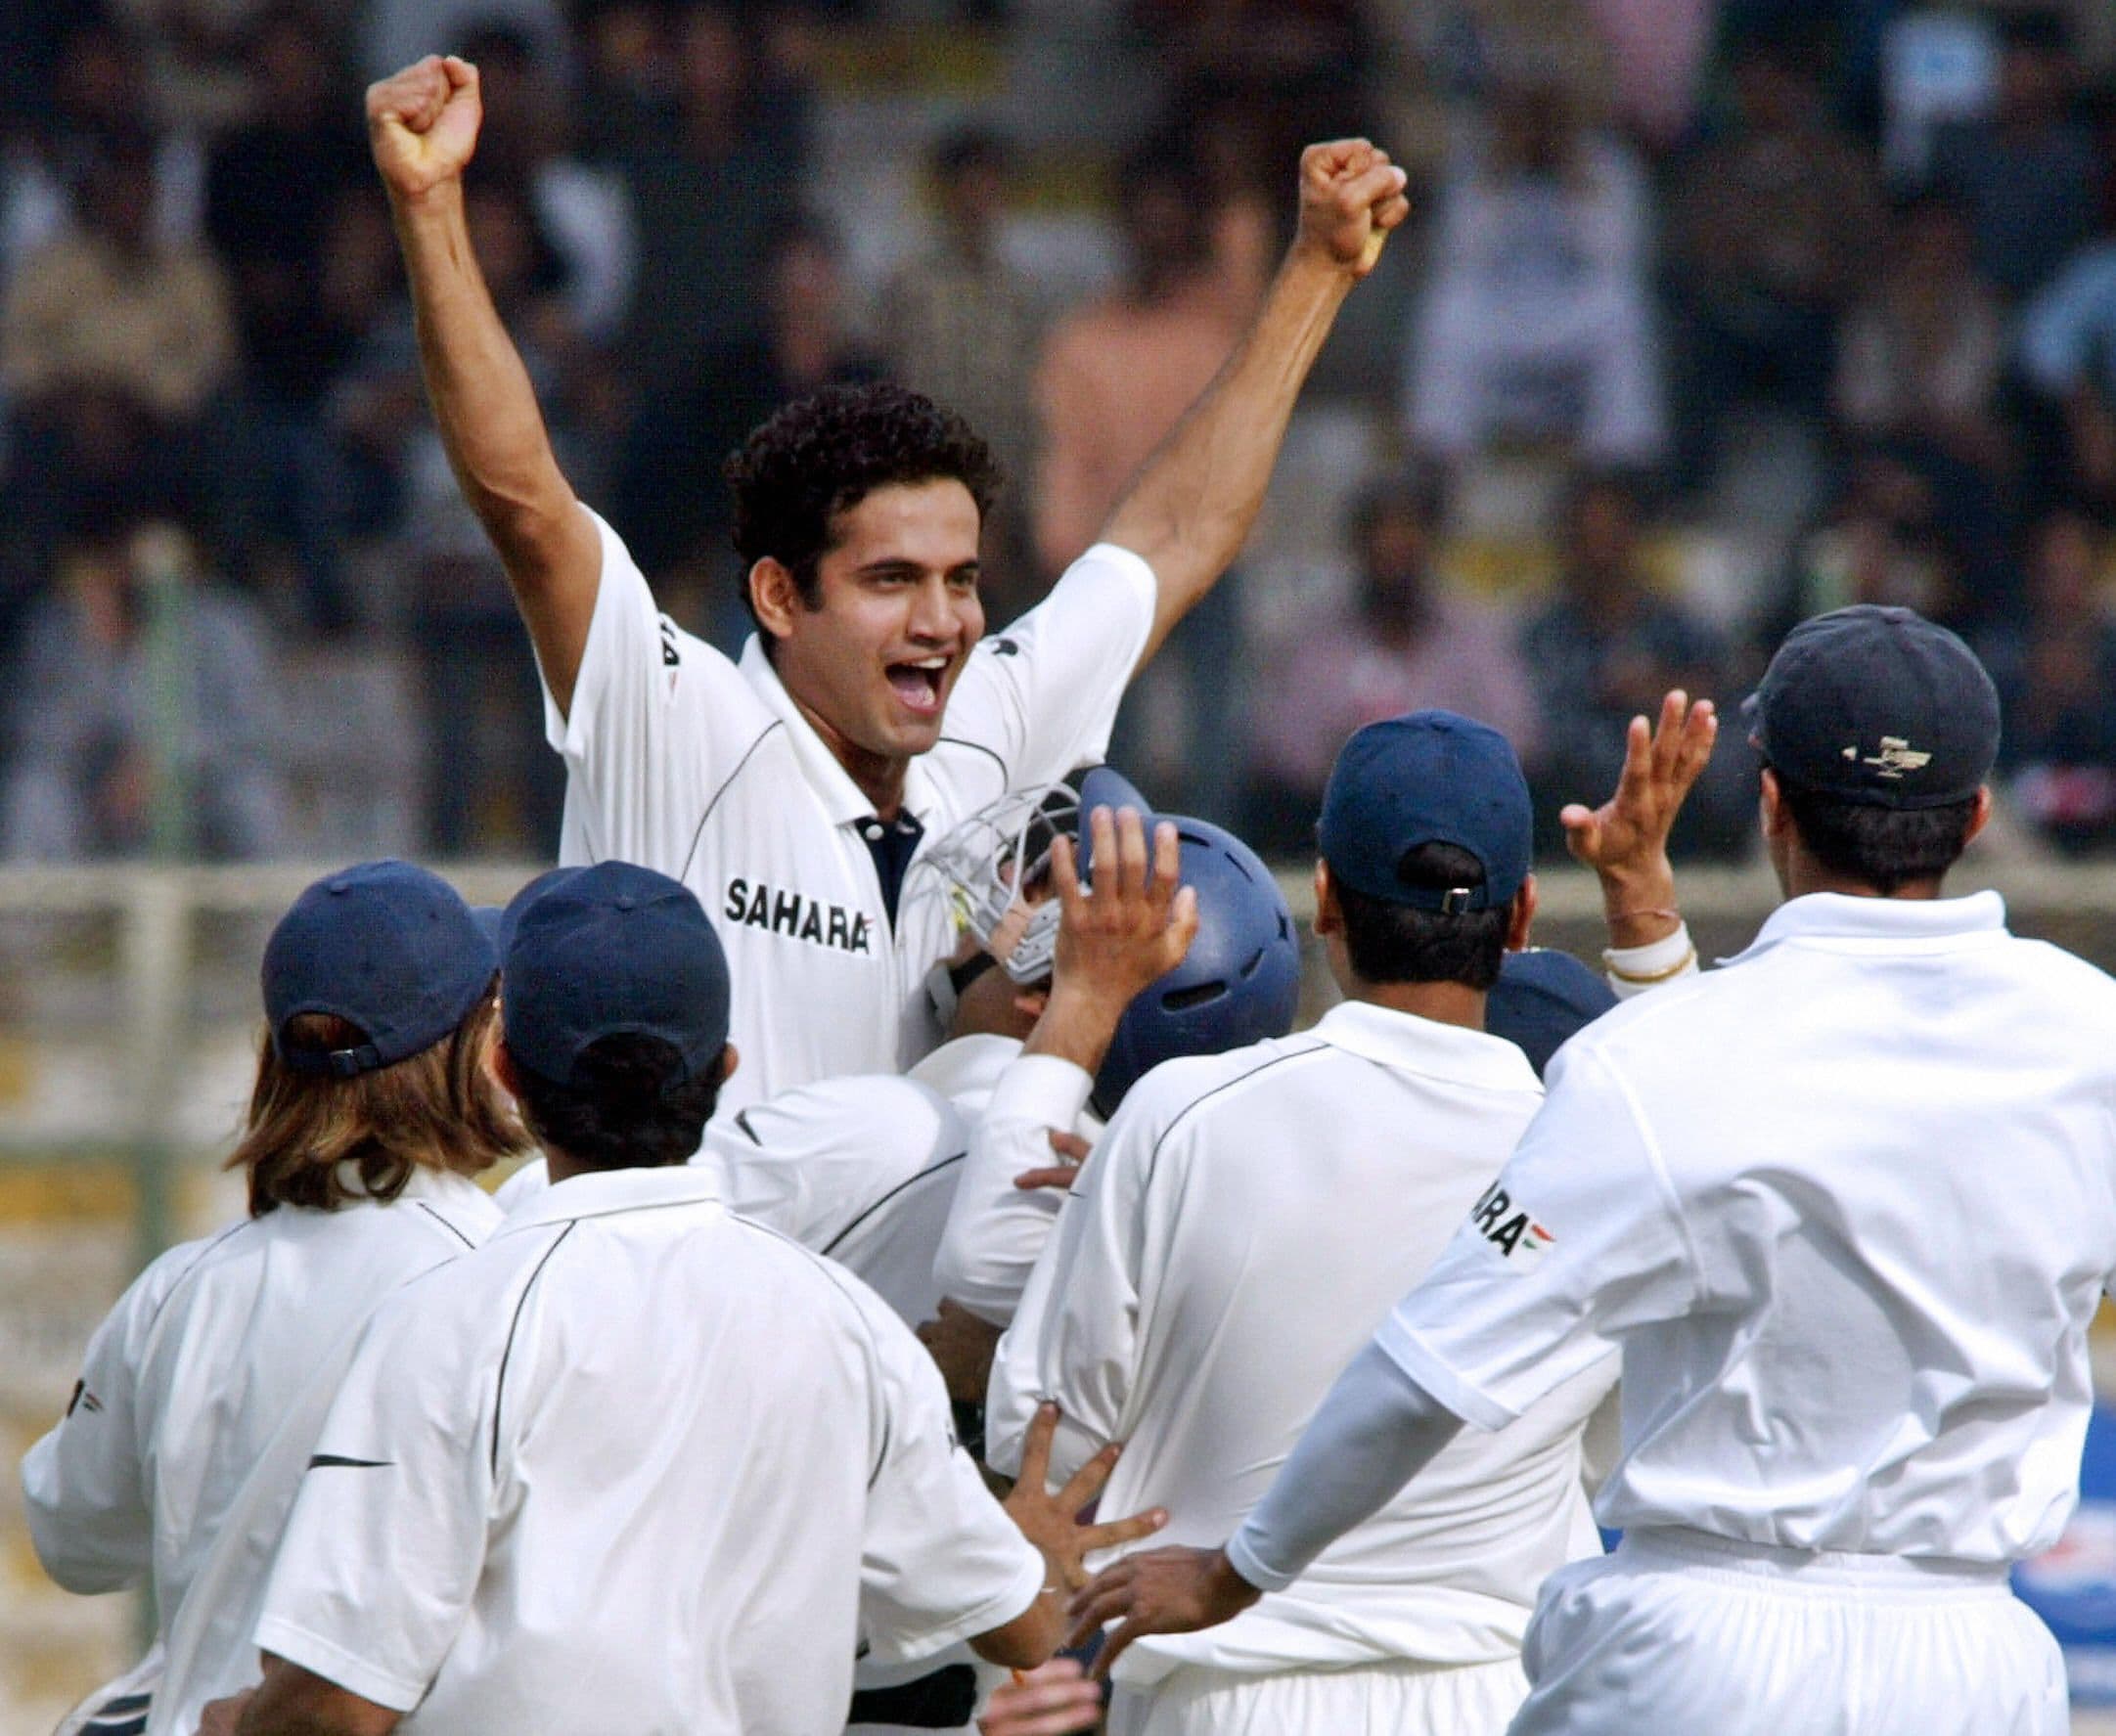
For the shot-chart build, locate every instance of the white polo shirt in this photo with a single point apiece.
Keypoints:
(682, 760)
(861, 1169)
(187, 1390)
(641, 1465)
(1244, 1221)
(1847, 1206)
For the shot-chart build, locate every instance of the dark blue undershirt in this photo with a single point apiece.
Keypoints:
(892, 843)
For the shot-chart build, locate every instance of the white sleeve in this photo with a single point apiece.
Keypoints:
(657, 723)
(1375, 1429)
(940, 1560)
(1633, 970)
(1075, 1341)
(383, 1553)
(995, 1230)
(84, 1485)
(1041, 695)
(1580, 1240)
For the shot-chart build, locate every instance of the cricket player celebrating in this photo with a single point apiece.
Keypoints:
(1247, 1218)
(200, 1395)
(1846, 1206)
(792, 790)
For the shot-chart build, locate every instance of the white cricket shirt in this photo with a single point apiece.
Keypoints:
(635, 1465)
(682, 760)
(1847, 1205)
(186, 1395)
(1244, 1223)
(861, 1169)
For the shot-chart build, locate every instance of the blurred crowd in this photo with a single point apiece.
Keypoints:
(1715, 313)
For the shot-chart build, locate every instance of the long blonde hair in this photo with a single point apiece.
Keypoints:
(439, 1109)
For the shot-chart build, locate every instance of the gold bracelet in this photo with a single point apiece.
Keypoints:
(1688, 957)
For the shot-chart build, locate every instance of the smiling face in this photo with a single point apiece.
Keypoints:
(874, 660)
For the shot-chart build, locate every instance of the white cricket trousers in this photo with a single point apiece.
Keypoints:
(1403, 1699)
(1679, 1634)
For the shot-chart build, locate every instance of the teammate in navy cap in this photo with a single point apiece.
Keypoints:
(641, 1464)
(179, 1455)
(1843, 1206)
(1244, 1221)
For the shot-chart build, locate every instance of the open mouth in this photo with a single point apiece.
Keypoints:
(917, 685)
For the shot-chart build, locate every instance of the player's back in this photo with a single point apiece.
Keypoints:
(1285, 1195)
(1888, 1136)
(204, 1359)
(660, 1465)
(860, 1168)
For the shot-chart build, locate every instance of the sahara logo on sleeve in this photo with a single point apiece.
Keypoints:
(1502, 1221)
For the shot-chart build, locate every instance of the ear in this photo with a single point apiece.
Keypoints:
(1328, 914)
(1521, 916)
(1980, 815)
(730, 1059)
(1771, 806)
(776, 595)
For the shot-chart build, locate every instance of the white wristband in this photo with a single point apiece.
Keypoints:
(1633, 969)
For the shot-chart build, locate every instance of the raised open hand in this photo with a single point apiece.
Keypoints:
(1136, 924)
(1625, 840)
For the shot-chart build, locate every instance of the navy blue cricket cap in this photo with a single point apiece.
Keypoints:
(386, 946)
(1878, 706)
(613, 950)
(1427, 777)
(501, 921)
(1541, 999)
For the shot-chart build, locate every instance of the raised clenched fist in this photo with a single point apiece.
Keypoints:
(1351, 196)
(423, 124)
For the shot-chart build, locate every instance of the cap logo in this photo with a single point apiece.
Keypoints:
(1897, 756)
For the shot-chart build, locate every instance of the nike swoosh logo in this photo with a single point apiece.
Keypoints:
(325, 1459)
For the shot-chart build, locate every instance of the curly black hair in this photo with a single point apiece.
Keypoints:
(823, 454)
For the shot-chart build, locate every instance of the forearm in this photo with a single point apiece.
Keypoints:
(294, 1702)
(484, 404)
(1638, 903)
(996, 1230)
(1376, 1430)
(1190, 508)
(1077, 1025)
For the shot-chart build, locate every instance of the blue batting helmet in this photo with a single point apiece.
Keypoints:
(1541, 999)
(1239, 983)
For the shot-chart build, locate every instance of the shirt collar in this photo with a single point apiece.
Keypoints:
(842, 798)
(599, 1192)
(1402, 1040)
(1886, 924)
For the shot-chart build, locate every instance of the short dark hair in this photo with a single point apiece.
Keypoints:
(1393, 943)
(620, 1112)
(823, 454)
(1884, 847)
